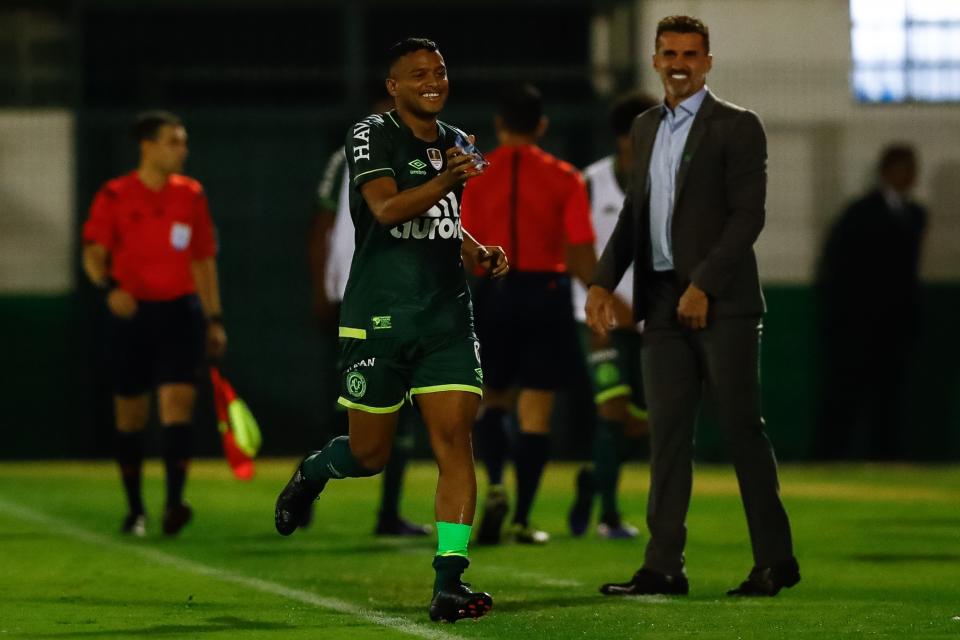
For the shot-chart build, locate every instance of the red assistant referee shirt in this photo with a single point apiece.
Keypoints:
(152, 236)
(530, 203)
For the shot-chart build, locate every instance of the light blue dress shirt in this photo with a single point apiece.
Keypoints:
(664, 164)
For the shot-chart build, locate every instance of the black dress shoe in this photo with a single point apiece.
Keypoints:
(647, 583)
(767, 581)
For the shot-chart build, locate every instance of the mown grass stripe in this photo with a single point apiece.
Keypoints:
(64, 528)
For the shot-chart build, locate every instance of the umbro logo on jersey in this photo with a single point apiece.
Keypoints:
(418, 167)
(435, 158)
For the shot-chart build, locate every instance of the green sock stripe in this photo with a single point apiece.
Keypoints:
(453, 538)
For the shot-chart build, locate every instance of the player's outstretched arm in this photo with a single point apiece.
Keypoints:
(392, 207)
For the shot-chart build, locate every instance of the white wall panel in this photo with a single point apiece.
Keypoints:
(36, 201)
(789, 60)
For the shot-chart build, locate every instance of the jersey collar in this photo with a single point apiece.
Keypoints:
(394, 118)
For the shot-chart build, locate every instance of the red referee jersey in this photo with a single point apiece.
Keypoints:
(152, 236)
(530, 203)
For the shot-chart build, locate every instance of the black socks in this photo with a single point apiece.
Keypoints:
(492, 442)
(176, 459)
(533, 450)
(130, 458)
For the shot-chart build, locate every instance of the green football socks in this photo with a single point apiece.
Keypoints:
(608, 446)
(334, 461)
(451, 559)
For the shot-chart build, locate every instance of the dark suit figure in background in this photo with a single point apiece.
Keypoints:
(868, 292)
(690, 217)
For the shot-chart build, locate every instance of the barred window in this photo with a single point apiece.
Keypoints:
(906, 50)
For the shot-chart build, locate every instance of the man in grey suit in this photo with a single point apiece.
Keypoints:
(688, 224)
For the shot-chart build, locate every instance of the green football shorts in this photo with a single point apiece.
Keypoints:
(615, 368)
(378, 374)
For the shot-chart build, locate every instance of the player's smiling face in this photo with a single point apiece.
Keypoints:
(418, 82)
(682, 62)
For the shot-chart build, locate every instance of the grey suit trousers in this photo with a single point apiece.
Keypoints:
(678, 364)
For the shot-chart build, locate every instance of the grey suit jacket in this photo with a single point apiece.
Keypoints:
(718, 211)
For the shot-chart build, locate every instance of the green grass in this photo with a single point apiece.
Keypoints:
(879, 548)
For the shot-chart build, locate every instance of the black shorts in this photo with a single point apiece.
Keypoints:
(162, 344)
(528, 336)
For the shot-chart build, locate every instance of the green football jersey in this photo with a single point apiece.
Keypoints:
(406, 280)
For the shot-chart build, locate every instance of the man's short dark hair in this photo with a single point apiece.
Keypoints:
(626, 109)
(683, 24)
(520, 108)
(408, 45)
(149, 123)
(895, 154)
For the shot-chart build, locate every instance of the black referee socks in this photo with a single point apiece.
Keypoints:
(533, 449)
(176, 458)
(130, 458)
(492, 442)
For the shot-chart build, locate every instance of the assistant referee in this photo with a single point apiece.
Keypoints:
(536, 206)
(149, 244)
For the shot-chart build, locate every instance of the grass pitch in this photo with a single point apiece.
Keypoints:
(879, 549)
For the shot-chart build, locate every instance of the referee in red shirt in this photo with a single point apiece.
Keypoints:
(537, 208)
(149, 243)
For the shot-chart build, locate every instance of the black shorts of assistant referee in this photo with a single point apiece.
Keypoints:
(528, 336)
(162, 344)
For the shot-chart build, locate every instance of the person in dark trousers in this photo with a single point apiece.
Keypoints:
(870, 265)
(694, 209)
(149, 244)
(537, 206)
(331, 244)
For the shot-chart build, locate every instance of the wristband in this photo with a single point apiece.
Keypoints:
(215, 318)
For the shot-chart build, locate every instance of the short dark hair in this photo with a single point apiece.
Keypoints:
(626, 109)
(895, 154)
(520, 108)
(148, 124)
(683, 24)
(408, 45)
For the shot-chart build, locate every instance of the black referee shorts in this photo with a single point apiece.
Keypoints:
(527, 333)
(162, 344)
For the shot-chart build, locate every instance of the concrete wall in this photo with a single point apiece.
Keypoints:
(36, 201)
(789, 60)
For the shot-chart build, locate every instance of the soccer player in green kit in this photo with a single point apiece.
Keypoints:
(407, 317)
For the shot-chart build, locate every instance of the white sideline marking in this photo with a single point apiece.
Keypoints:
(340, 606)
